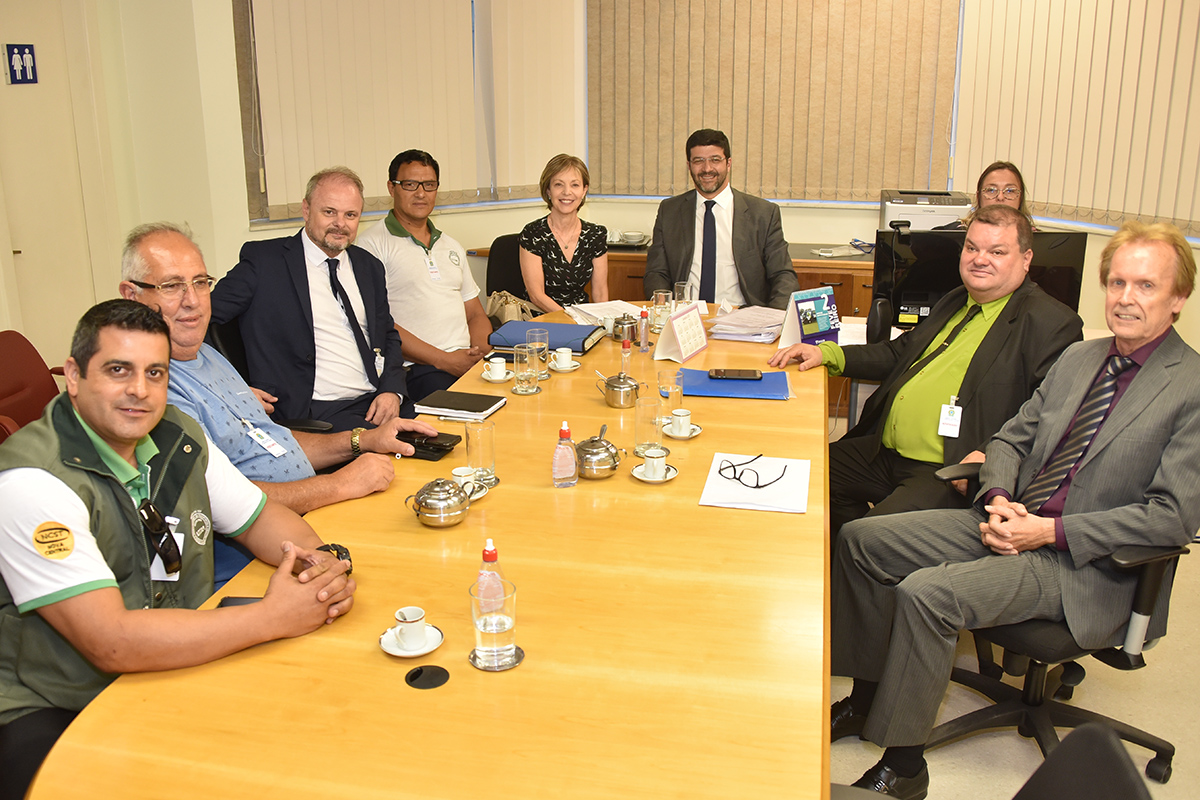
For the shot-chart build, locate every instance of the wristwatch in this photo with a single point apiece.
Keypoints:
(340, 552)
(355, 450)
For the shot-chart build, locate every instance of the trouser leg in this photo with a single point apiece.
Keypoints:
(857, 477)
(931, 606)
(24, 744)
(870, 559)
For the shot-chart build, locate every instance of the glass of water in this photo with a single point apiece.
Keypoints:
(481, 451)
(494, 614)
(661, 310)
(540, 339)
(525, 369)
(647, 425)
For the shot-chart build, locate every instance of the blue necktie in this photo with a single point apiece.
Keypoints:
(364, 349)
(708, 255)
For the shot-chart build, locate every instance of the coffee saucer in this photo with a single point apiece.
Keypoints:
(639, 472)
(574, 366)
(478, 493)
(508, 374)
(692, 435)
(433, 640)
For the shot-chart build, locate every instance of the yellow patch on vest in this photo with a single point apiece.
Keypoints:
(54, 540)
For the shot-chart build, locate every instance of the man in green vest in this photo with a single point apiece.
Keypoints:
(108, 506)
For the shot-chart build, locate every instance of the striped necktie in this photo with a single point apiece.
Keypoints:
(1091, 414)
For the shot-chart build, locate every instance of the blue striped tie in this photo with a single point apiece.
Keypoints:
(1091, 413)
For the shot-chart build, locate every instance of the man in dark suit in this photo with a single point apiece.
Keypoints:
(1102, 456)
(313, 310)
(726, 244)
(990, 366)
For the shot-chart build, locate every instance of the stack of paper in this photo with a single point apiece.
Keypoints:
(593, 313)
(749, 324)
(731, 487)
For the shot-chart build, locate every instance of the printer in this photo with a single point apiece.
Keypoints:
(925, 210)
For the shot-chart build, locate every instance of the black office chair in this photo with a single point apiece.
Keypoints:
(1034, 646)
(227, 339)
(504, 266)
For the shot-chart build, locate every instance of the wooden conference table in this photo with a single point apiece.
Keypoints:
(672, 650)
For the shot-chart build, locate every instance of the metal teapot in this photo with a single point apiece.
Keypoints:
(625, 327)
(620, 390)
(440, 503)
(598, 457)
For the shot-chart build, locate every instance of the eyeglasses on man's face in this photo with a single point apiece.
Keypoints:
(177, 288)
(1009, 192)
(411, 186)
(745, 476)
(700, 161)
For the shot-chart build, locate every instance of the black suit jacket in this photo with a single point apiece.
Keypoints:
(760, 253)
(1013, 358)
(268, 292)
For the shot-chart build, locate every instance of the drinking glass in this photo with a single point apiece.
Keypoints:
(525, 369)
(670, 389)
(682, 295)
(662, 309)
(647, 425)
(494, 614)
(540, 338)
(481, 451)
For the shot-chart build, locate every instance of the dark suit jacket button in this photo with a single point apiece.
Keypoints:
(309, 359)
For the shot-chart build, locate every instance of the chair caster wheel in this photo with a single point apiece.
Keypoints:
(1159, 769)
(1064, 693)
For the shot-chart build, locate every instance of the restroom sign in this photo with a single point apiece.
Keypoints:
(21, 64)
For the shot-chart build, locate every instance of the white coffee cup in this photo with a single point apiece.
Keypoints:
(462, 475)
(496, 369)
(608, 322)
(562, 358)
(655, 464)
(410, 628)
(681, 422)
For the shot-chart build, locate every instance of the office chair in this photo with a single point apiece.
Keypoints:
(8, 426)
(1034, 646)
(504, 266)
(26, 383)
(226, 338)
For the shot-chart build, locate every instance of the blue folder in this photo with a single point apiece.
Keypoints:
(773, 386)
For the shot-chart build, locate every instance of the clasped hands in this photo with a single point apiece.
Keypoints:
(1010, 528)
(310, 587)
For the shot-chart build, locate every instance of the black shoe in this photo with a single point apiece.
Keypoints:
(843, 721)
(885, 781)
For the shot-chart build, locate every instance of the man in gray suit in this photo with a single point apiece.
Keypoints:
(726, 244)
(1102, 455)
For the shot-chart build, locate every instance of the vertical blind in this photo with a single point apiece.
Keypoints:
(821, 99)
(1094, 100)
(486, 87)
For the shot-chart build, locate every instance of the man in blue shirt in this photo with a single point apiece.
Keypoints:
(163, 268)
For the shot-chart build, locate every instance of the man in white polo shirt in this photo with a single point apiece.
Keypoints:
(433, 297)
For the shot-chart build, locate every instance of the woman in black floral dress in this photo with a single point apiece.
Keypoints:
(560, 253)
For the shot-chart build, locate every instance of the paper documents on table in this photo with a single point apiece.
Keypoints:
(749, 324)
(788, 494)
(592, 313)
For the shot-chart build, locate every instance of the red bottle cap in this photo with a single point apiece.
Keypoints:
(625, 345)
(645, 313)
(489, 551)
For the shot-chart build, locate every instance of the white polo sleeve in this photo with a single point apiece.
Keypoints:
(47, 550)
(234, 500)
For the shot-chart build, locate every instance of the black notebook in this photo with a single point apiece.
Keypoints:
(464, 405)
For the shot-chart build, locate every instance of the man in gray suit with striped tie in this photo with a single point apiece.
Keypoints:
(1103, 455)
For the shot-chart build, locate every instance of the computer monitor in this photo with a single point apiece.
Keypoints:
(914, 271)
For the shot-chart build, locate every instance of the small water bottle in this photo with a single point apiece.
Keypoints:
(490, 582)
(626, 354)
(564, 467)
(644, 332)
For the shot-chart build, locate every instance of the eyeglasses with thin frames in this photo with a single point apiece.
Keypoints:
(176, 288)
(700, 161)
(1009, 192)
(411, 186)
(744, 475)
(159, 533)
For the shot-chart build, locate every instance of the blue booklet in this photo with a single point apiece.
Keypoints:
(773, 386)
(580, 338)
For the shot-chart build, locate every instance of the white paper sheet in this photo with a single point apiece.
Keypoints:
(789, 494)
